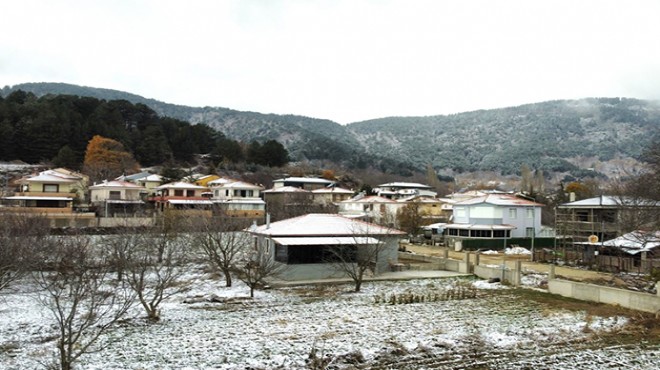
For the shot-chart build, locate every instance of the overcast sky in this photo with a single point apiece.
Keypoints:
(341, 60)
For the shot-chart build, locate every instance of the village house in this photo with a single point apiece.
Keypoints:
(493, 216)
(307, 183)
(237, 199)
(602, 217)
(50, 191)
(373, 208)
(117, 198)
(398, 190)
(182, 196)
(331, 195)
(148, 180)
(308, 246)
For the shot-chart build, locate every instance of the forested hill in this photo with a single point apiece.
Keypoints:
(548, 135)
(305, 138)
(553, 136)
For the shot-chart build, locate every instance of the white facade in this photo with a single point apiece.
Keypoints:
(116, 190)
(497, 212)
(396, 190)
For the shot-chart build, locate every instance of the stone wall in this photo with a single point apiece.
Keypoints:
(595, 293)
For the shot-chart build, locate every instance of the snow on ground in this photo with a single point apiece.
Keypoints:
(517, 250)
(280, 327)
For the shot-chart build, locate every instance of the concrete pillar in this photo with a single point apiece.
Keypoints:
(445, 253)
(476, 259)
(518, 274)
(551, 274)
(466, 258)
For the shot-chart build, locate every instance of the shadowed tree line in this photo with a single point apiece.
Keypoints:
(58, 128)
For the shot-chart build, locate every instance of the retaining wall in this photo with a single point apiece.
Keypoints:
(595, 293)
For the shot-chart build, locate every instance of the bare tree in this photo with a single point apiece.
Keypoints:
(356, 260)
(168, 228)
(20, 237)
(153, 270)
(371, 249)
(222, 241)
(256, 266)
(84, 299)
(639, 195)
(411, 217)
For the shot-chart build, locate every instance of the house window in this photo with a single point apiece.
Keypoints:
(530, 212)
(190, 193)
(582, 216)
(513, 213)
(463, 232)
(51, 188)
(499, 234)
(115, 195)
(529, 232)
(178, 193)
(481, 233)
(609, 216)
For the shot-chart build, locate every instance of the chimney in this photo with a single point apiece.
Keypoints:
(267, 221)
(571, 197)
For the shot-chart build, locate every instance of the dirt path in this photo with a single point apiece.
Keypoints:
(492, 259)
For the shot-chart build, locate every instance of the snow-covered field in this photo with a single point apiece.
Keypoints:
(279, 328)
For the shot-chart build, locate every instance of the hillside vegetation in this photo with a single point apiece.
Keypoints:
(550, 136)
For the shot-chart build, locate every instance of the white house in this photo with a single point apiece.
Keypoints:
(396, 190)
(237, 198)
(307, 183)
(117, 197)
(494, 216)
(182, 195)
(331, 195)
(372, 208)
(306, 245)
(146, 179)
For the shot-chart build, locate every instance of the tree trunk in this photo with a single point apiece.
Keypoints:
(251, 291)
(358, 285)
(228, 281)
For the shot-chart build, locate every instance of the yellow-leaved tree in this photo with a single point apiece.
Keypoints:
(106, 159)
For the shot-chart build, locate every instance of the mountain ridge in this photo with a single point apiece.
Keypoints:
(551, 135)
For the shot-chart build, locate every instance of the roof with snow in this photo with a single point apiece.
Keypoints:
(333, 190)
(370, 199)
(310, 180)
(53, 177)
(116, 184)
(609, 201)
(419, 199)
(327, 240)
(319, 224)
(220, 181)
(180, 185)
(286, 189)
(133, 177)
(635, 242)
(238, 185)
(404, 185)
(500, 200)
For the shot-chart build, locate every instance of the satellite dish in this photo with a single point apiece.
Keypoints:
(593, 239)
